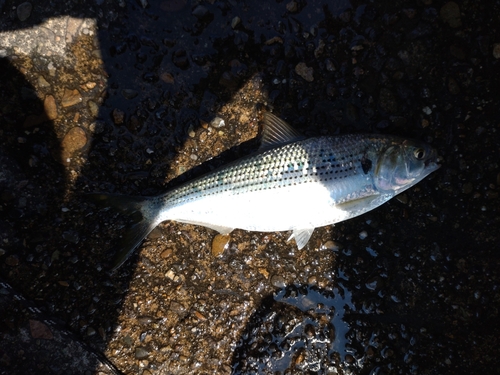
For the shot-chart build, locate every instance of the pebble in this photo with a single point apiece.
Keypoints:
(496, 50)
(40, 330)
(200, 12)
(292, 6)
(93, 108)
(217, 123)
(331, 245)
(304, 71)
(24, 11)
(141, 352)
(42, 82)
(49, 104)
(71, 97)
(75, 139)
(450, 13)
(278, 281)
(166, 254)
(219, 244)
(118, 116)
(235, 22)
(363, 234)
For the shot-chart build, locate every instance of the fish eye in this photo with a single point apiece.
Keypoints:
(419, 153)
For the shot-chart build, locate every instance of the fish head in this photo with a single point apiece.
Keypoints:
(403, 164)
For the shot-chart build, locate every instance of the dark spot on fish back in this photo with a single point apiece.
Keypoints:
(366, 164)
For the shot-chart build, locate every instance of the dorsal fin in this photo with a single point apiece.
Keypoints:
(277, 132)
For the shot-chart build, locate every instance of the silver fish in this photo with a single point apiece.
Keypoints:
(291, 183)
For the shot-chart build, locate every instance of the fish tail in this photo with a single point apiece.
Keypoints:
(143, 214)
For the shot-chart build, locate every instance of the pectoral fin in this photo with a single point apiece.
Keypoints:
(362, 204)
(301, 236)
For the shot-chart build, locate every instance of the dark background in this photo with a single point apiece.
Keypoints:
(416, 293)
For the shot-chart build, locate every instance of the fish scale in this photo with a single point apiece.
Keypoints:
(291, 183)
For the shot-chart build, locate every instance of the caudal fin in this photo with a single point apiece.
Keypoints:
(142, 213)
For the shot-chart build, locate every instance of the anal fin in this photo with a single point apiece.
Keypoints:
(301, 236)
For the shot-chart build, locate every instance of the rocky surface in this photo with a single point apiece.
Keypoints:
(133, 97)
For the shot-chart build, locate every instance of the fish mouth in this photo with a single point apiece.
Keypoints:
(432, 163)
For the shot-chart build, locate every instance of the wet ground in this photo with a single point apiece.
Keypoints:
(133, 97)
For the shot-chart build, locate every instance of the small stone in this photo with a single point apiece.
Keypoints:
(145, 319)
(24, 11)
(496, 50)
(118, 116)
(200, 12)
(305, 72)
(71, 97)
(217, 123)
(141, 352)
(219, 244)
(50, 107)
(292, 6)
(71, 236)
(75, 139)
(167, 77)
(278, 281)
(166, 254)
(42, 82)
(93, 108)
(450, 13)
(235, 22)
(363, 234)
(331, 245)
(40, 330)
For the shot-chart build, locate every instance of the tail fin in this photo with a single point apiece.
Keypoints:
(142, 212)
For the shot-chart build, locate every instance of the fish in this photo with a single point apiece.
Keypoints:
(291, 183)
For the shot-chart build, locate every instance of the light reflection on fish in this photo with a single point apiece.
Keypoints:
(291, 183)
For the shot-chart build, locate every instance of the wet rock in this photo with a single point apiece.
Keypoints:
(200, 12)
(292, 6)
(39, 330)
(71, 236)
(278, 281)
(71, 98)
(50, 107)
(217, 123)
(42, 82)
(304, 71)
(496, 50)
(235, 22)
(450, 13)
(74, 140)
(141, 352)
(93, 108)
(180, 59)
(118, 116)
(219, 244)
(24, 11)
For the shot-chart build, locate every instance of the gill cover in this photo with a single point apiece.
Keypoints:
(401, 166)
